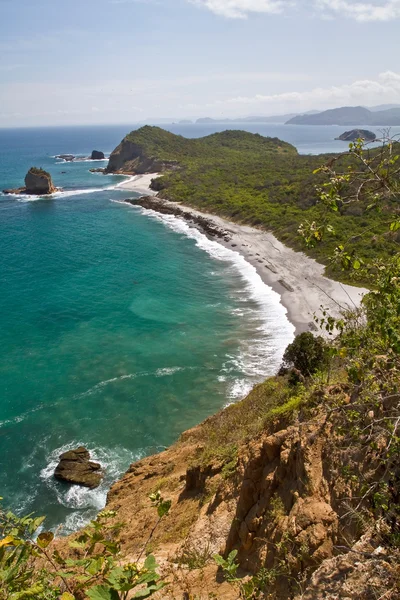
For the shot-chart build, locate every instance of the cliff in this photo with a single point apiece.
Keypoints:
(142, 151)
(271, 477)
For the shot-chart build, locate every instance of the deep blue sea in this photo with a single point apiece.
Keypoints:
(119, 329)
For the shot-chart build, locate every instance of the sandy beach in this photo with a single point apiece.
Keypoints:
(297, 278)
(139, 184)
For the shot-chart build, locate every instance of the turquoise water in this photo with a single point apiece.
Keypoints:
(119, 329)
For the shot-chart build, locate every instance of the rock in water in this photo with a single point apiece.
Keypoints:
(76, 467)
(96, 155)
(38, 181)
(355, 134)
(66, 157)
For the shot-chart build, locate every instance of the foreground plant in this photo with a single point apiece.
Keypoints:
(368, 340)
(29, 568)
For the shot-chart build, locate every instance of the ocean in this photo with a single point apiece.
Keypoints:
(119, 328)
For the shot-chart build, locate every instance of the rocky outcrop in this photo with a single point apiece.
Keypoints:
(76, 467)
(170, 208)
(66, 157)
(365, 572)
(356, 134)
(130, 158)
(37, 183)
(97, 155)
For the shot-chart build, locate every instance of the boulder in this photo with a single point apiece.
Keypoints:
(355, 134)
(96, 155)
(76, 467)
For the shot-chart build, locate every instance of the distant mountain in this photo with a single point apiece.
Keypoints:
(382, 107)
(350, 115)
(251, 119)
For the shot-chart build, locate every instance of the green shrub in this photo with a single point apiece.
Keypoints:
(307, 354)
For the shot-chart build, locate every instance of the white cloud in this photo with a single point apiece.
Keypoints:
(375, 10)
(385, 89)
(371, 10)
(239, 9)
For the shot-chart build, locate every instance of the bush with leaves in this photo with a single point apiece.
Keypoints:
(98, 573)
(306, 353)
(369, 337)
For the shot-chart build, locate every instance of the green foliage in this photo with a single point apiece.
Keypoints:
(264, 182)
(228, 565)
(194, 558)
(306, 353)
(97, 572)
(369, 337)
(249, 588)
(39, 171)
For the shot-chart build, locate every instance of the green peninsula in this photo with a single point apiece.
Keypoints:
(250, 179)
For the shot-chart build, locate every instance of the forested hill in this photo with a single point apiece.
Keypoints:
(248, 178)
(147, 148)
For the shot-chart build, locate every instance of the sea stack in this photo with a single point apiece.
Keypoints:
(37, 183)
(76, 467)
(97, 155)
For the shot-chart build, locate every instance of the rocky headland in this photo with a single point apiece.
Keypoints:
(38, 182)
(356, 134)
(131, 157)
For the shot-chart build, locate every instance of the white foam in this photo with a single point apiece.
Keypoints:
(168, 371)
(20, 418)
(102, 384)
(260, 356)
(79, 158)
(61, 194)
(83, 501)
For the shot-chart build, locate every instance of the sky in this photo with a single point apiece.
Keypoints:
(65, 62)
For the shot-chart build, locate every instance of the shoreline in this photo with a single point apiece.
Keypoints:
(138, 183)
(298, 279)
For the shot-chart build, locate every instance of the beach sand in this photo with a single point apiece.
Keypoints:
(297, 278)
(139, 184)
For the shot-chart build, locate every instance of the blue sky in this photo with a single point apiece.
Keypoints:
(122, 61)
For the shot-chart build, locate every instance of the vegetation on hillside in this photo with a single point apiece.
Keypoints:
(349, 390)
(263, 182)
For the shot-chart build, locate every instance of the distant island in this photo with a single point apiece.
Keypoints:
(350, 115)
(251, 119)
(356, 134)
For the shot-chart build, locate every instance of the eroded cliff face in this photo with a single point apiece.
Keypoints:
(279, 499)
(129, 157)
